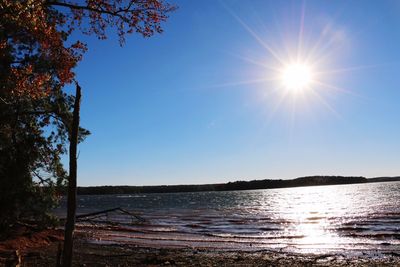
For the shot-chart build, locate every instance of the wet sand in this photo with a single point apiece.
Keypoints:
(89, 254)
(41, 249)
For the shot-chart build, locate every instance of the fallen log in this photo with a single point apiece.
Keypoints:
(92, 214)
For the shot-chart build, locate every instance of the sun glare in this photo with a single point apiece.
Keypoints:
(294, 69)
(296, 77)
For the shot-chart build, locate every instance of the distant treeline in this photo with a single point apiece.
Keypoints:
(238, 185)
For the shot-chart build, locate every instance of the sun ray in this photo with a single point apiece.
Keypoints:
(327, 49)
(318, 47)
(255, 62)
(238, 83)
(349, 69)
(279, 103)
(326, 104)
(293, 113)
(339, 89)
(255, 35)
(301, 32)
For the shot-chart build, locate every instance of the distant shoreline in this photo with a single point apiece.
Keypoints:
(231, 186)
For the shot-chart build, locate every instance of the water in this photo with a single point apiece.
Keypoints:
(314, 219)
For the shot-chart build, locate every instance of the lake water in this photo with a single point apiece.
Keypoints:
(357, 217)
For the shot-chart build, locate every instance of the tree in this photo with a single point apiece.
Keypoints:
(72, 181)
(34, 67)
(36, 62)
(33, 35)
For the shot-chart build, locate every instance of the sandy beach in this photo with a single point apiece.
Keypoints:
(40, 249)
(87, 254)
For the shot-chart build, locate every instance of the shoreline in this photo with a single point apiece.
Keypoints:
(90, 254)
(41, 249)
(232, 186)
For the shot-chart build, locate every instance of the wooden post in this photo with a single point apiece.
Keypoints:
(71, 202)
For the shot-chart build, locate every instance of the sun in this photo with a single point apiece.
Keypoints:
(297, 77)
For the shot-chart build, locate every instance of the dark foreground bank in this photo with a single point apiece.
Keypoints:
(41, 249)
(87, 254)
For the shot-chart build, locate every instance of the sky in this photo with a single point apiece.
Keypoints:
(204, 102)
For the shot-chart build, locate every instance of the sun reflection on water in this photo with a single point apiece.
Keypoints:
(311, 212)
(316, 219)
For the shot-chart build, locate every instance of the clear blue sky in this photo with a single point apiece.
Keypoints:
(190, 106)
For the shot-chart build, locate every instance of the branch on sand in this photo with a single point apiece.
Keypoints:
(89, 216)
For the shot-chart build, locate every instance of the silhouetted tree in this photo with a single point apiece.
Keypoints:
(36, 115)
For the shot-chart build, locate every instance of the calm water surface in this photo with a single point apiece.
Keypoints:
(311, 219)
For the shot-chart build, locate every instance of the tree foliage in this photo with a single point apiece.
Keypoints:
(37, 60)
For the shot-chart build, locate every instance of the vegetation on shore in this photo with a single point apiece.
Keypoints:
(238, 185)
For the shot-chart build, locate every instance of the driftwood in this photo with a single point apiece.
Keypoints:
(89, 216)
(28, 225)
